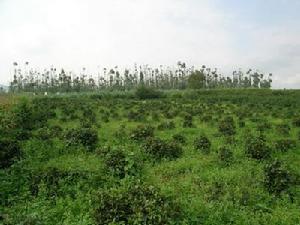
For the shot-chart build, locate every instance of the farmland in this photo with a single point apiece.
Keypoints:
(145, 156)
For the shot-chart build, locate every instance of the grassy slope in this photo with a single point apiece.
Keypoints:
(209, 192)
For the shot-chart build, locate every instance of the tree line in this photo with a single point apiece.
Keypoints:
(26, 79)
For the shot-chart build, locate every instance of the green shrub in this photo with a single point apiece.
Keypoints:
(179, 138)
(121, 134)
(296, 121)
(242, 123)
(283, 129)
(285, 144)
(277, 178)
(43, 133)
(52, 181)
(142, 132)
(135, 116)
(188, 121)
(257, 148)
(134, 203)
(56, 131)
(115, 161)
(162, 149)
(85, 136)
(168, 125)
(263, 125)
(143, 93)
(203, 144)
(225, 155)
(227, 126)
(89, 115)
(9, 152)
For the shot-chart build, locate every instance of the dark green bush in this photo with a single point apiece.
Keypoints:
(56, 131)
(142, 132)
(162, 149)
(225, 155)
(202, 143)
(9, 152)
(135, 116)
(277, 178)
(43, 133)
(296, 121)
(285, 144)
(227, 126)
(85, 136)
(242, 123)
(188, 120)
(22, 116)
(143, 93)
(115, 161)
(135, 203)
(121, 134)
(283, 129)
(89, 115)
(263, 125)
(257, 148)
(168, 125)
(179, 138)
(53, 180)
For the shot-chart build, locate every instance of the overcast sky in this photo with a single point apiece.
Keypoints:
(228, 34)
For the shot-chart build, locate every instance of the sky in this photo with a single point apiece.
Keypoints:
(227, 34)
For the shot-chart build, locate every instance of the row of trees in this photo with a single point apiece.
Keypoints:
(178, 77)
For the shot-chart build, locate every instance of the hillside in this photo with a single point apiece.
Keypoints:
(149, 157)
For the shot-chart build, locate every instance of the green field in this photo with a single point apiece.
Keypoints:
(173, 157)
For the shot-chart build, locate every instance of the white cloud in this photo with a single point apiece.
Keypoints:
(76, 33)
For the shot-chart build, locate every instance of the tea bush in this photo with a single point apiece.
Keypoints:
(227, 126)
(225, 155)
(168, 125)
(85, 136)
(115, 161)
(143, 92)
(285, 144)
(263, 126)
(179, 138)
(188, 121)
(241, 123)
(277, 178)
(135, 116)
(296, 121)
(9, 152)
(142, 132)
(135, 203)
(257, 148)
(52, 181)
(283, 129)
(162, 149)
(202, 144)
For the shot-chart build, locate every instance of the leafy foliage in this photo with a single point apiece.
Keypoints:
(277, 178)
(144, 92)
(285, 144)
(162, 149)
(227, 126)
(85, 136)
(168, 125)
(225, 155)
(9, 152)
(142, 132)
(257, 148)
(134, 203)
(202, 143)
(179, 138)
